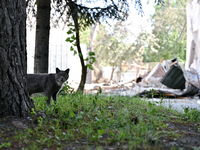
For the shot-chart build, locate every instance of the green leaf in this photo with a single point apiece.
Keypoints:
(86, 59)
(69, 32)
(71, 41)
(68, 39)
(153, 111)
(93, 59)
(73, 37)
(91, 53)
(100, 90)
(186, 110)
(57, 137)
(38, 141)
(71, 48)
(112, 134)
(100, 132)
(90, 66)
(71, 24)
(75, 52)
(72, 114)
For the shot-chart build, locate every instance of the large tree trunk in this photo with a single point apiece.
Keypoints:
(14, 97)
(84, 67)
(42, 36)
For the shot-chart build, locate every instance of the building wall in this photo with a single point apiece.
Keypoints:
(59, 54)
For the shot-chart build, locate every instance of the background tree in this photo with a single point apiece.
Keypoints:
(42, 36)
(168, 24)
(113, 47)
(88, 37)
(85, 36)
(128, 46)
(86, 16)
(14, 97)
(147, 46)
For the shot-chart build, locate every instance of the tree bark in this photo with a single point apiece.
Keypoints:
(120, 70)
(84, 67)
(14, 97)
(112, 72)
(42, 36)
(93, 35)
(97, 72)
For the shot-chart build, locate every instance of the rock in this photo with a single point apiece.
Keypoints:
(41, 114)
(19, 124)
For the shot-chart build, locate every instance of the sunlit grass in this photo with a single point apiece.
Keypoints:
(85, 120)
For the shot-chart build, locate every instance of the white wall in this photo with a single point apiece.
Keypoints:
(59, 54)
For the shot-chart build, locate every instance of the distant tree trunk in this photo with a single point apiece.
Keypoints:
(112, 72)
(42, 36)
(14, 97)
(93, 34)
(97, 72)
(84, 67)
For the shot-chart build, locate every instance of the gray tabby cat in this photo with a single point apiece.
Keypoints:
(50, 84)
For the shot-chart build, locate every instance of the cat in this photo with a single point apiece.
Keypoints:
(50, 84)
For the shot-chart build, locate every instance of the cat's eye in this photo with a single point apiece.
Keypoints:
(59, 75)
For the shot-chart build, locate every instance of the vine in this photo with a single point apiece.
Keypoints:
(72, 39)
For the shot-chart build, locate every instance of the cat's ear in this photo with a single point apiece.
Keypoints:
(67, 70)
(57, 70)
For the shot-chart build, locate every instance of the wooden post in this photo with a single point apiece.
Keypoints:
(198, 79)
(173, 63)
(161, 60)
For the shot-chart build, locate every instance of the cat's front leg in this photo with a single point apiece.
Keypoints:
(54, 96)
(49, 98)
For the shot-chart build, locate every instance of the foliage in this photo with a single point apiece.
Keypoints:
(88, 15)
(72, 38)
(168, 24)
(5, 145)
(112, 48)
(85, 36)
(84, 16)
(88, 121)
(90, 59)
(97, 119)
(147, 46)
(67, 89)
(191, 114)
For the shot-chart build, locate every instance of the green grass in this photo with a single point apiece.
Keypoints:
(85, 121)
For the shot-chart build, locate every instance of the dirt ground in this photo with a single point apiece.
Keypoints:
(188, 135)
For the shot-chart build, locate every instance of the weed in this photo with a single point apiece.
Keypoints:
(5, 145)
(191, 114)
(33, 112)
(67, 89)
(98, 118)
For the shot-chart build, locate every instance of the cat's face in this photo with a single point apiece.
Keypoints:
(61, 76)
